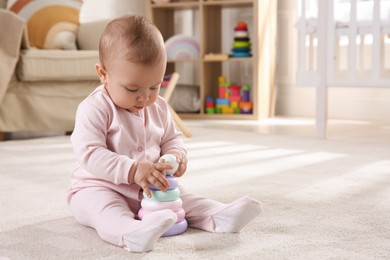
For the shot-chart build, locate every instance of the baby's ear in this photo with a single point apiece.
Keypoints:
(101, 71)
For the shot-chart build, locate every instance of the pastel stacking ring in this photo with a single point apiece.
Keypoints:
(176, 229)
(156, 205)
(173, 182)
(180, 214)
(162, 196)
(170, 159)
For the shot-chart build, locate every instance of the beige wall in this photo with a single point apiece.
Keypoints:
(297, 101)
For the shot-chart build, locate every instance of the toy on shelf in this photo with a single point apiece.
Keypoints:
(166, 200)
(241, 44)
(182, 47)
(232, 99)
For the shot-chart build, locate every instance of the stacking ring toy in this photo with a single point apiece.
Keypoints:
(170, 159)
(152, 205)
(180, 214)
(173, 182)
(162, 196)
(176, 229)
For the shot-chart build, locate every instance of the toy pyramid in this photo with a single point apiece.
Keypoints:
(241, 44)
(166, 200)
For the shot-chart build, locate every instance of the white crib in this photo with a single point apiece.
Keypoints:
(342, 43)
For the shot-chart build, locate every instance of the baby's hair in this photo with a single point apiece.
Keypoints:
(133, 37)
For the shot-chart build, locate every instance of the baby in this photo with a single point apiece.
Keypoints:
(122, 129)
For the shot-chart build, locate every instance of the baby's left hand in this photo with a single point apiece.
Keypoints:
(182, 161)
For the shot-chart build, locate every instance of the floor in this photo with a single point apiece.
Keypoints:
(303, 127)
(360, 131)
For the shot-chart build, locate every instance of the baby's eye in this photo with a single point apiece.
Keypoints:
(132, 90)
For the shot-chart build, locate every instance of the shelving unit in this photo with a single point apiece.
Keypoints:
(209, 29)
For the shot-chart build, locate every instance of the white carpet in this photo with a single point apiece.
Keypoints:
(322, 200)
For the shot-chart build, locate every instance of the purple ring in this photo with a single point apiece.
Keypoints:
(176, 229)
(173, 182)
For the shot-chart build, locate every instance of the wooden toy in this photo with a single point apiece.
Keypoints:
(232, 99)
(241, 43)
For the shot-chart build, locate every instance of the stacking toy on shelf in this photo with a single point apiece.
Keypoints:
(166, 200)
(241, 44)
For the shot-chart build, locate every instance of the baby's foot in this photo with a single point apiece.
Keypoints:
(149, 230)
(236, 215)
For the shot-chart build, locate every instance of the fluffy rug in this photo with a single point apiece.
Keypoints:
(321, 199)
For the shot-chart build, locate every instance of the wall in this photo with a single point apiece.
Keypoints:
(297, 101)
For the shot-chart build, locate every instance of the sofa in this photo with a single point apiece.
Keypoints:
(42, 82)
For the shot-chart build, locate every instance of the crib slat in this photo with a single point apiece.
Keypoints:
(302, 38)
(376, 45)
(321, 89)
(331, 36)
(352, 42)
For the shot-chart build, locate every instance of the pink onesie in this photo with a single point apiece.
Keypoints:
(107, 140)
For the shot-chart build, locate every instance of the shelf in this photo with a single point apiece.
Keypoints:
(183, 61)
(229, 59)
(208, 21)
(229, 3)
(175, 5)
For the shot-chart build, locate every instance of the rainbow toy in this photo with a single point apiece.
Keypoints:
(182, 47)
(166, 200)
(51, 24)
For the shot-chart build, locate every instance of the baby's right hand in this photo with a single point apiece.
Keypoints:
(151, 173)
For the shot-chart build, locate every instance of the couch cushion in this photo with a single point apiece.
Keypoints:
(95, 10)
(51, 24)
(89, 33)
(57, 65)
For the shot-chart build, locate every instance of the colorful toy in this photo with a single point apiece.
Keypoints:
(245, 93)
(182, 47)
(209, 103)
(166, 200)
(232, 99)
(241, 44)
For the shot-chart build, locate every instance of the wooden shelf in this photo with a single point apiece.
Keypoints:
(175, 5)
(229, 3)
(207, 18)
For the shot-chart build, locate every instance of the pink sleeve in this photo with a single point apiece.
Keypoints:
(89, 144)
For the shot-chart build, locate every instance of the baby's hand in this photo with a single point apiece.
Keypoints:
(151, 173)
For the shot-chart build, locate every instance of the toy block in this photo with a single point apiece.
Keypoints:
(234, 98)
(246, 107)
(222, 101)
(234, 104)
(210, 110)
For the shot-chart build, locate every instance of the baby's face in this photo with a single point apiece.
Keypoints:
(134, 86)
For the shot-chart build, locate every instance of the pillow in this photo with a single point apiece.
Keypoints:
(51, 24)
(88, 34)
(95, 10)
(96, 14)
